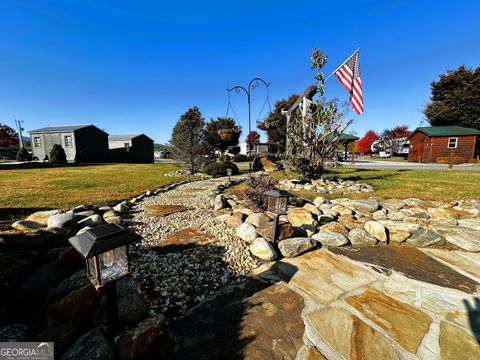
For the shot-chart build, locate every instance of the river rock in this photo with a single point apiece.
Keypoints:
(41, 217)
(66, 222)
(325, 218)
(361, 237)
(284, 231)
(236, 219)
(219, 202)
(258, 220)
(319, 201)
(425, 238)
(379, 215)
(463, 237)
(92, 345)
(300, 216)
(368, 205)
(121, 207)
(399, 231)
(134, 342)
(313, 209)
(441, 216)
(114, 220)
(74, 282)
(330, 238)
(92, 221)
(295, 246)
(335, 227)
(246, 232)
(263, 249)
(377, 230)
(26, 225)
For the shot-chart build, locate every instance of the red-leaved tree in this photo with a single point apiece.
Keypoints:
(8, 136)
(253, 138)
(365, 143)
(396, 132)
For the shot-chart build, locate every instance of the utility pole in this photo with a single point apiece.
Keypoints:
(19, 123)
(255, 83)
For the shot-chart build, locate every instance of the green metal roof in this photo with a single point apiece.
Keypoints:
(344, 138)
(447, 130)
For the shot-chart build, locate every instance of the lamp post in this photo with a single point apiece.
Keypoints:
(277, 205)
(105, 249)
(229, 173)
(251, 85)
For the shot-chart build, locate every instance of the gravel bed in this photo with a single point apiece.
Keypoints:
(175, 282)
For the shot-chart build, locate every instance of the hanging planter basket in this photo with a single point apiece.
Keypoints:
(227, 134)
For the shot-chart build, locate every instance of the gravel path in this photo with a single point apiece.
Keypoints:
(177, 281)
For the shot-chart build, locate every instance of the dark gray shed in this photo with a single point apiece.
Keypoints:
(88, 141)
(130, 148)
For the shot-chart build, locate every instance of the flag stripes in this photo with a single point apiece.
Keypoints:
(349, 76)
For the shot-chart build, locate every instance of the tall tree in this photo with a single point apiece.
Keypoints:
(188, 137)
(455, 99)
(222, 133)
(8, 136)
(398, 131)
(365, 143)
(276, 123)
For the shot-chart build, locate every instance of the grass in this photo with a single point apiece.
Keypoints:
(424, 184)
(65, 187)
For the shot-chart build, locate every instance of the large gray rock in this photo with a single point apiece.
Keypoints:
(330, 238)
(325, 218)
(15, 266)
(131, 305)
(295, 246)
(377, 230)
(262, 249)
(92, 221)
(114, 220)
(219, 202)
(66, 222)
(425, 238)
(121, 207)
(361, 237)
(92, 345)
(463, 237)
(313, 209)
(74, 282)
(368, 205)
(41, 217)
(236, 219)
(319, 201)
(258, 220)
(399, 231)
(246, 232)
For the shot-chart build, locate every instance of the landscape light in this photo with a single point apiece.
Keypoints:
(277, 205)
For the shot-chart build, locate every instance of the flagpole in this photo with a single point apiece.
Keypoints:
(328, 77)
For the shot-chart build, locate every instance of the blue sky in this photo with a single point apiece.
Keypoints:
(136, 66)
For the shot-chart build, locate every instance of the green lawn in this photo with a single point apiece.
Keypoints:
(425, 184)
(65, 187)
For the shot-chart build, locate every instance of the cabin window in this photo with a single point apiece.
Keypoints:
(36, 142)
(127, 147)
(452, 143)
(68, 141)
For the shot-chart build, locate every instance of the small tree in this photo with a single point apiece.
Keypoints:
(57, 155)
(23, 155)
(8, 136)
(390, 135)
(253, 138)
(455, 99)
(365, 143)
(188, 137)
(222, 133)
(314, 138)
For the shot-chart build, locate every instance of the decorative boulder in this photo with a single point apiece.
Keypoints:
(219, 202)
(463, 237)
(300, 216)
(92, 221)
(330, 238)
(121, 207)
(246, 232)
(284, 231)
(368, 205)
(41, 217)
(236, 219)
(313, 209)
(425, 238)
(134, 342)
(361, 237)
(295, 246)
(92, 345)
(335, 227)
(259, 220)
(26, 225)
(377, 230)
(319, 201)
(262, 249)
(65, 222)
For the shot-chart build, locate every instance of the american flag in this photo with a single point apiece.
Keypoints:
(349, 76)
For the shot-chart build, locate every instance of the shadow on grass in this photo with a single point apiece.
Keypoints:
(40, 165)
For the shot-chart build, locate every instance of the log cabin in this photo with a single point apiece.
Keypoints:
(430, 144)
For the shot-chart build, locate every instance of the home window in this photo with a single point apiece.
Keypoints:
(452, 143)
(36, 142)
(127, 147)
(68, 141)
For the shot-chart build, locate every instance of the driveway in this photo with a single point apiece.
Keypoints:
(395, 165)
